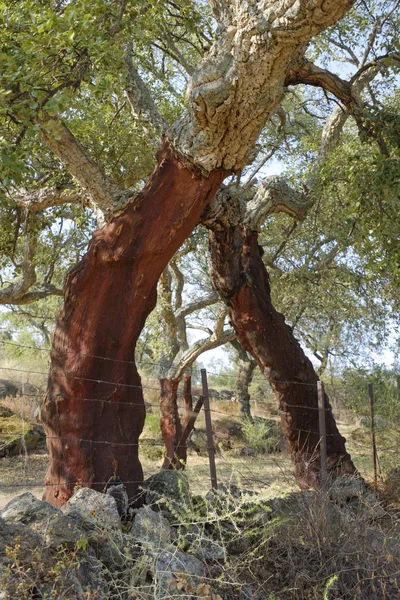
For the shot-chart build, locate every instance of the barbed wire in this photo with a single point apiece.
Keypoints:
(147, 362)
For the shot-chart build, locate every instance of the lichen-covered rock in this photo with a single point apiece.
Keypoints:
(168, 487)
(29, 510)
(346, 488)
(117, 490)
(177, 574)
(149, 527)
(208, 550)
(93, 509)
(16, 435)
(63, 531)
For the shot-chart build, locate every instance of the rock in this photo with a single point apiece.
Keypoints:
(24, 551)
(173, 568)
(149, 527)
(27, 539)
(8, 388)
(226, 395)
(346, 488)
(168, 489)
(29, 510)
(17, 436)
(5, 413)
(207, 550)
(63, 531)
(248, 593)
(116, 489)
(93, 509)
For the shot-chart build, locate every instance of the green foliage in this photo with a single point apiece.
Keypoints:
(260, 435)
(351, 388)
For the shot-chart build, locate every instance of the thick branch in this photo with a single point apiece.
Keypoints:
(139, 98)
(40, 199)
(197, 305)
(304, 71)
(105, 196)
(18, 291)
(184, 360)
(272, 196)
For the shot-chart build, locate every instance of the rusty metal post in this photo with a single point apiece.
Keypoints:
(373, 441)
(322, 431)
(210, 441)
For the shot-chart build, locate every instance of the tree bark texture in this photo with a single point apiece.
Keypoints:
(93, 412)
(240, 277)
(174, 430)
(187, 399)
(171, 427)
(243, 380)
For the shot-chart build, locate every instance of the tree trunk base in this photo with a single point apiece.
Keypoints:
(94, 411)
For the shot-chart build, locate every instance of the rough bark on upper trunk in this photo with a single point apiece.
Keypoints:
(93, 412)
(240, 82)
(241, 279)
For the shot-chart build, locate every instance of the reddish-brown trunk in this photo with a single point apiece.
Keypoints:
(170, 422)
(94, 411)
(240, 277)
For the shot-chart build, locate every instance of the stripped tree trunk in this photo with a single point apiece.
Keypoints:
(240, 277)
(93, 412)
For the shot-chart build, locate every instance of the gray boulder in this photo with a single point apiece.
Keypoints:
(29, 510)
(150, 528)
(346, 488)
(93, 509)
(167, 489)
(177, 574)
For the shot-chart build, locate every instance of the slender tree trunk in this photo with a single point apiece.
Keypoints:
(181, 448)
(239, 275)
(93, 412)
(187, 399)
(245, 371)
(243, 380)
(170, 422)
(172, 428)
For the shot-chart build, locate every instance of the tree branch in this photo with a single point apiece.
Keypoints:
(105, 196)
(197, 305)
(17, 292)
(40, 199)
(139, 98)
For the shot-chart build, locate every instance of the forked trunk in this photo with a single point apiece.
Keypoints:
(93, 412)
(241, 278)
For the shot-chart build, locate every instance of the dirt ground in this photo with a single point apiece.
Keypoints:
(271, 473)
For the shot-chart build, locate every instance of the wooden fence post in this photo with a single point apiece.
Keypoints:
(210, 441)
(322, 431)
(373, 441)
